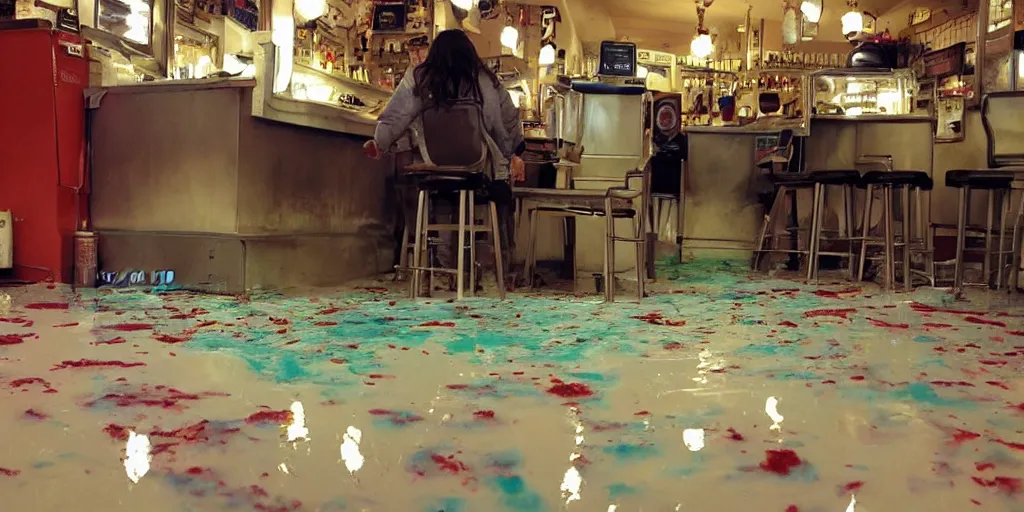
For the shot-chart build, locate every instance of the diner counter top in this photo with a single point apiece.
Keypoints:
(875, 118)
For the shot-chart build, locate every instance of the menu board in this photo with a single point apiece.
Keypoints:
(617, 59)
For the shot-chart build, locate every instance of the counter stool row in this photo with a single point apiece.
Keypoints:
(913, 237)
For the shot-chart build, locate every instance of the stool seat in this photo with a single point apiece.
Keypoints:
(793, 180)
(448, 181)
(842, 177)
(982, 179)
(918, 179)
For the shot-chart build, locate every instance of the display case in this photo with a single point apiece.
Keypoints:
(849, 93)
(659, 69)
(701, 89)
(139, 30)
(775, 99)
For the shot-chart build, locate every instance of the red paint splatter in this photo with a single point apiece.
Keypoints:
(328, 311)
(570, 390)
(1019, 407)
(787, 323)
(949, 383)
(924, 308)
(9, 472)
(857, 377)
(269, 417)
(380, 376)
(167, 338)
(780, 462)
(36, 415)
(338, 361)
(983, 321)
(792, 508)
(93, 363)
(642, 413)
(674, 345)
(396, 417)
(72, 324)
(47, 305)
(961, 436)
(982, 466)
(435, 323)
(116, 341)
(14, 339)
(938, 326)
(990, 362)
(997, 384)
(279, 321)
(839, 313)
(456, 386)
(325, 324)
(1008, 444)
(484, 415)
(734, 435)
(128, 327)
(658, 319)
(117, 432)
(1002, 484)
(881, 323)
(448, 464)
(851, 487)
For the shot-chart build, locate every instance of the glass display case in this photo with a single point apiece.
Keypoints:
(870, 92)
(701, 89)
(775, 99)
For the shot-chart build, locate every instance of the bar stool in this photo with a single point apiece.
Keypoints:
(467, 185)
(847, 180)
(998, 185)
(889, 182)
(769, 237)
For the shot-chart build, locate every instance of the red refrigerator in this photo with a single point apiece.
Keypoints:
(42, 145)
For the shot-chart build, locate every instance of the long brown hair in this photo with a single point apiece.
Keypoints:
(451, 70)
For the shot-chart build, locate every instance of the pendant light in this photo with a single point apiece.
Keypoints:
(547, 55)
(702, 45)
(811, 9)
(465, 5)
(853, 21)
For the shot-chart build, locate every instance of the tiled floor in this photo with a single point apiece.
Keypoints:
(722, 392)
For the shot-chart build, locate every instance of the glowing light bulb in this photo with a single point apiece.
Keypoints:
(701, 46)
(641, 72)
(853, 22)
(308, 10)
(465, 5)
(811, 10)
(509, 37)
(547, 55)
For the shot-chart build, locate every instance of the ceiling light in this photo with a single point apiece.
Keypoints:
(547, 55)
(509, 38)
(465, 5)
(853, 23)
(702, 46)
(309, 10)
(811, 9)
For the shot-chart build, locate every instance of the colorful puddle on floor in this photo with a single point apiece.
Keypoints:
(722, 392)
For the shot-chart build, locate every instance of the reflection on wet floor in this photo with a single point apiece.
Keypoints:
(721, 392)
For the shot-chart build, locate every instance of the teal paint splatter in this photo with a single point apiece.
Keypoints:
(592, 377)
(926, 339)
(515, 495)
(42, 464)
(923, 393)
(768, 349)
(797, 376)
(616, 491)
(624, 452)
(447, 505)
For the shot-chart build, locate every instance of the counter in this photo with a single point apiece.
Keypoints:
(187, 178)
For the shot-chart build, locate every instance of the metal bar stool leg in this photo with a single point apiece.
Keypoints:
(908, 276)
(851, 229)
(1003, 200)
(812, 233)
(609, 252)
(460, 265)
(926, 237)
(471, 206)
(887, 226)
(963, 212)
(403, 255)
(641, 259)
(499, 265)
(531, 248)
(869, 199)
(989, 225)
(417, 251)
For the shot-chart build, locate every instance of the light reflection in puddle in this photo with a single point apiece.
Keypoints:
(137, 456)
(853, 504)
(572, 482)
(771, 407)
(350, 449)
(297, 429)
(693, 438)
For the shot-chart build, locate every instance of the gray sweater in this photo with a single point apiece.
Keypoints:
(501, 120)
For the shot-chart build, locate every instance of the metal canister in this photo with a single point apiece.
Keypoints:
(85, 259)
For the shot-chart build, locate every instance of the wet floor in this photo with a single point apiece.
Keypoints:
(722, 392)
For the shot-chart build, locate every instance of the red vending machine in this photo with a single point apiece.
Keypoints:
(42, 145)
